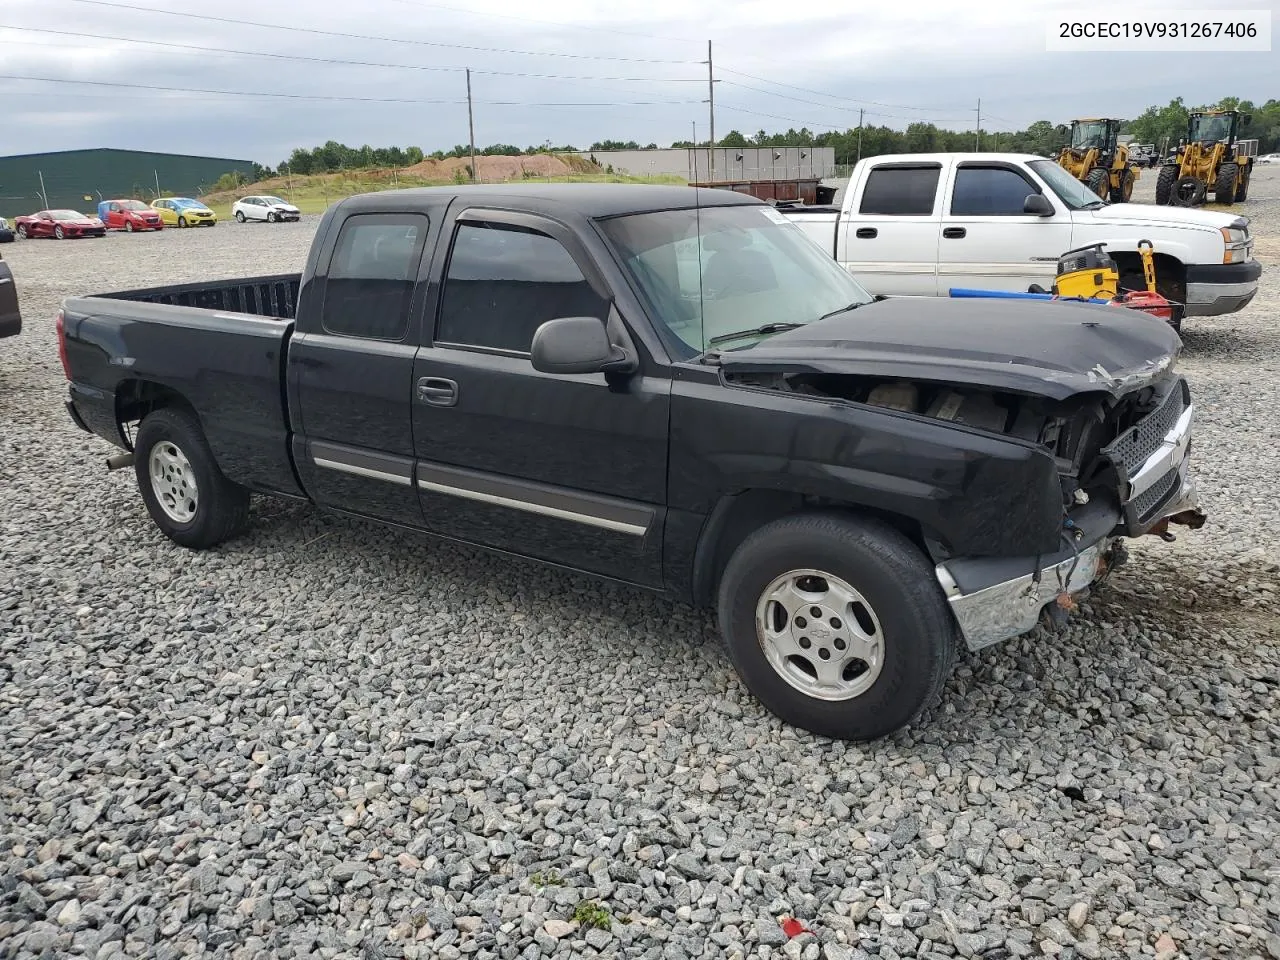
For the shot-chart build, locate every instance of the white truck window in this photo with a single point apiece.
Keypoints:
(900, 191)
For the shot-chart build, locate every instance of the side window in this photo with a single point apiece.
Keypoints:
(900, 191)
(989, 192)
(372, 275)
(504, 282)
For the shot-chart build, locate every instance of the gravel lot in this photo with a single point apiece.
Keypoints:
(325, 739)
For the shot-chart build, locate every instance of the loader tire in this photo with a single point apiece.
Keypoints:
(1098, 181)
(1224, 189)
(1124, 192)
(1242, 191)
(1164, 184)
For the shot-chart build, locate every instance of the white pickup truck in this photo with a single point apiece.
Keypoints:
(921, 224)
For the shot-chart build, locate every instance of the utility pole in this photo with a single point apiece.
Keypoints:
(694, 151)
(44, 197)
(157, 173)
(859, 134)
(471, 127)
(711, 101)
(977, 130)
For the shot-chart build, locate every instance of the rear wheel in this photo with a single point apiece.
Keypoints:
(1122, 193)
(1224, 188)
(836, 624)
(22, 231)
(186, 494)
(1242, 192)
(1097, 181)
(1164, 184)
(1189, 192)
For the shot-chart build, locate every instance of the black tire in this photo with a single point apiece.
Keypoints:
(1164, 184)
(221, 507)
(1242, 192)
(21, 232)
(58, 234)
(182, 221)
(240, 216)
(1097, 181)
(1189, 192)
(1224, 188)
(271, 217)
(1124, 192)
(128, 226)
(918, 633)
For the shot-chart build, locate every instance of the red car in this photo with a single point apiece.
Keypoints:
(61, 224)
(129, 215)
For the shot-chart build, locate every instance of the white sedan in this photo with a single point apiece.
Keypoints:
(270, 209)
(1269, 158)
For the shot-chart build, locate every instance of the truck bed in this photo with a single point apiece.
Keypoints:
(270, 296)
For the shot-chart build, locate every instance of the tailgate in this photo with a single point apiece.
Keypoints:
(10, 317)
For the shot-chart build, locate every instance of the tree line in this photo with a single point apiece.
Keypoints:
(1156, 125)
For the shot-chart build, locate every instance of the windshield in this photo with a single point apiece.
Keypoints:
(184, 203)
(749, 267)
(66, 215)
(274, 201)
(133, 205)
(1087, 135)
(1069, 190)
(1211, 128)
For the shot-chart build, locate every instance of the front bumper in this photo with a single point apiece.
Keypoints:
(994, 599)
(1217, 289)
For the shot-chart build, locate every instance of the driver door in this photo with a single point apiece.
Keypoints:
(567, 468)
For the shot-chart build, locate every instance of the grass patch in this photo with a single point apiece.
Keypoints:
(589, 913)
(550, 878)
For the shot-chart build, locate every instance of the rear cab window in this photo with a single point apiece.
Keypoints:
(372, 275)
(900, 190)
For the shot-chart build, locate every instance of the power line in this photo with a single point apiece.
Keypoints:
(553, 23)
(791, 86)
(294, 28)
(342, 99)
(774, 116)
(331, 60)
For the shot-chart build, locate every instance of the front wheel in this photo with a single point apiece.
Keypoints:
(1098, 181)
(128, 226)
(1164, 184)
(22, 231)
(240, 215)
(837, 624)
(1224, 188)
(57, 232)
(186, 494)
(1124, 192)
(271, 218)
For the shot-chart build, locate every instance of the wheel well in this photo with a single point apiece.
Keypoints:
(739, 515)
(1171, 273)
(137, 398)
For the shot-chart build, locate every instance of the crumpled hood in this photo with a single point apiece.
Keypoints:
(1053, 349)
(1139, 213)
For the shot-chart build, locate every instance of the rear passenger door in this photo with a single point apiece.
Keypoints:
(987, 241)
(567, 468)
(890, 242)
(351, 369)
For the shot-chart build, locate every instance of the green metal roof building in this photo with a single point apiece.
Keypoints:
(78, 179)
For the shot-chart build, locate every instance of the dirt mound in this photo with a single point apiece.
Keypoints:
(503, 168)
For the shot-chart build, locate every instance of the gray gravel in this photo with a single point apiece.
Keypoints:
(325, 739)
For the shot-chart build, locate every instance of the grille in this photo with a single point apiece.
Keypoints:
(1135, 445)
(1146, 504)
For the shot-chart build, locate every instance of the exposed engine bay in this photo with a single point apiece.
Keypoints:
(1081, 431)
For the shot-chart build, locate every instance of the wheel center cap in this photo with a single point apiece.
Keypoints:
(819, 631)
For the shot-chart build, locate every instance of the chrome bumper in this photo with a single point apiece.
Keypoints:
(1216, 299)
(1013, 607)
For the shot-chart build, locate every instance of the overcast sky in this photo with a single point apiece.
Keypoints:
(641, 70)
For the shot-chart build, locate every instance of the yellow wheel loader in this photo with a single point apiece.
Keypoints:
(1211, 158)
(1097, 158)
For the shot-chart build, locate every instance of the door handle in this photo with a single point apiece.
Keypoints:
(866, 233)
(953, 233)
(438, 391)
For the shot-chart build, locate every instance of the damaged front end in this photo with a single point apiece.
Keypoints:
(1121, 443)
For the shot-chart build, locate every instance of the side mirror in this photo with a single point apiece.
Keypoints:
(577, 345)
(1038, 205)
(1247, 119)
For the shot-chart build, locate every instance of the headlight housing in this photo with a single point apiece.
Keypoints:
(1237, 247)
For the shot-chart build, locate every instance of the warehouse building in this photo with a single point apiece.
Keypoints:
(78, 179)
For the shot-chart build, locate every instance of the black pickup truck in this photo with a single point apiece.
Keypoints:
(10, 315)
(675, 389)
